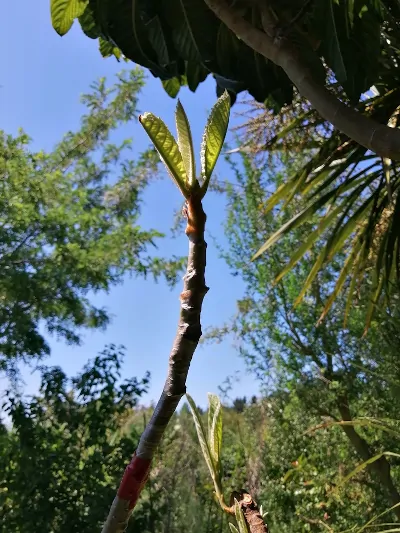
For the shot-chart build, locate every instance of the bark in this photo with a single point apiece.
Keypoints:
(380, 468)
(378, 138)
(186, 341)
(251, 512)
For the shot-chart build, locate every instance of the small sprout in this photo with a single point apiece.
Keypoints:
(178, 156)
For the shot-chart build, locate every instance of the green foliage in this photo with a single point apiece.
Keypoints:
(178, 157)
(214, 136)
(185, 143)
(241, 522)
(345, 186)
(331, 373)
(61, 458)
(351, 46)
(183, 41)
(168, 149)
(210, 442)
(69, 224)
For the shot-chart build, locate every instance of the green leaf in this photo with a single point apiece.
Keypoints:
(167, 148)
(185, 143)
(156, 37)
(215, 429)
(195, 74)
(349, 263)
(213, 137)
(331, 44)
(172, 87)
(293, 223)
(241, 522)
(359, 468)
(233, 528)
(325, 222)
(64, 12)
(352, 286)
(201, 435)
(88, 20)
(107, 49)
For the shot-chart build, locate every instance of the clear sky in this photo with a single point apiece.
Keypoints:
(41, 80)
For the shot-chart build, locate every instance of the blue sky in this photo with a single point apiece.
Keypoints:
(41, 80)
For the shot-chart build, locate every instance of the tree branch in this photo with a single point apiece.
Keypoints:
(186, 341)
(380, 468)
(379, 138)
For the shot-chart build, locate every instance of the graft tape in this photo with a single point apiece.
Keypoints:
(135, 477)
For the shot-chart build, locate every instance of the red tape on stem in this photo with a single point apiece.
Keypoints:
(135, 477)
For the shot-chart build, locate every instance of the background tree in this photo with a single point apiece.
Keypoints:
(334, 372)
(62, 456)
(69, 224)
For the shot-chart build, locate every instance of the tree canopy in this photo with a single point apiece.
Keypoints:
(69, 224)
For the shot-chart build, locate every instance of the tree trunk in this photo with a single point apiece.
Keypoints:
(378, 138)
(381, 467)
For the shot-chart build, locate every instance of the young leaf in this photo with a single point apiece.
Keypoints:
(215, 429)
(213, 138)
(202, 438)
(185, 143)
(167, 148)
(241, 522)
(64, 12)
(233, 528)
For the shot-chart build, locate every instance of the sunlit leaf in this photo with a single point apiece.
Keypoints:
(168, 149)
(213, 137)
(241, 522)
(107, 49)
(185, 143)
(64, 12)
(215, 429)
(325, 222)
(201, 435)
(362, 466)
(172, 87)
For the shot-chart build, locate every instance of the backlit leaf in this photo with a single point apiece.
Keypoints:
(185, 143)
(201, 435)
(241, 522)
(215, 428)
(64, 12)
(213, 137)
(168, 149)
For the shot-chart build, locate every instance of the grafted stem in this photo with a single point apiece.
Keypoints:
(185, 343)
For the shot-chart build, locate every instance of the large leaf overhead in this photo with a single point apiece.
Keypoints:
(183, 39)
(64, 12)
